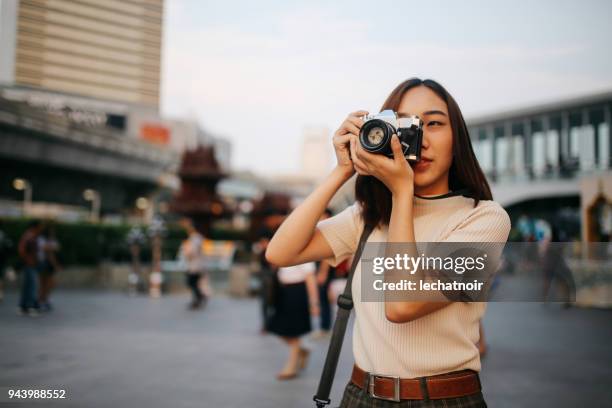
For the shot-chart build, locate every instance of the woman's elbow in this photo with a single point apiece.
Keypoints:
(274, 257)
(395, 314)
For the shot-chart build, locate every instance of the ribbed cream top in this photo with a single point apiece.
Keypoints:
(442, 341)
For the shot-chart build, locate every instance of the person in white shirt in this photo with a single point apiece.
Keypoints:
(296, 299)
(191, 254)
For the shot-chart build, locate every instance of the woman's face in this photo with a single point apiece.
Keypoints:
(431, 173)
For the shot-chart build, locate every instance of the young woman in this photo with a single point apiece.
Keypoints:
(429, 348)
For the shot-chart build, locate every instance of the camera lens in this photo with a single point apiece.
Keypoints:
(375, 136)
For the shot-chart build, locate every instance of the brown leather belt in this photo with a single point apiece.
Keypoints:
(392, 388)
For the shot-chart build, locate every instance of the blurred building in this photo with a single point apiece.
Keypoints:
(79, 96)
(102, 49)
(317, 152)
(223, 152)
(79, 106)
(538, 158)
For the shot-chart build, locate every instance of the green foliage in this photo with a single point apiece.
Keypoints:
(85, 243)
(88, 244)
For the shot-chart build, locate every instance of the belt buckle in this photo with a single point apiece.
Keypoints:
(396, 387)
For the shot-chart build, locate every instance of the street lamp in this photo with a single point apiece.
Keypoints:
(94, 197)
(23, 184)
(142, 203)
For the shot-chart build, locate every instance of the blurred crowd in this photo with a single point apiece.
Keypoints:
(37, 263)
(295, 301)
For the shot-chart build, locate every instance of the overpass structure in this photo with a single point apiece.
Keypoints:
(62, 157)
(544, 150)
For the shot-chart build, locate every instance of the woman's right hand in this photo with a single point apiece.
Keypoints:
(342, 137)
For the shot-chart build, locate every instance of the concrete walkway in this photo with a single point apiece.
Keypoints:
(110, 350)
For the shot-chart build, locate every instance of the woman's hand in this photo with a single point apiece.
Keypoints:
(349, 128)
(394, 172)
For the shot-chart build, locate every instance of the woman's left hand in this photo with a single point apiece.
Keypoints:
(395, 172)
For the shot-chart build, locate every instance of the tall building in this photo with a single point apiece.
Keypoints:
(79, 102)
(317, 152)
(102, 49)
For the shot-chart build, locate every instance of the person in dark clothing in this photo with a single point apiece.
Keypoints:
(28, 253)
(325, 275)
(5, 246)
(556, 270)
(268, 272)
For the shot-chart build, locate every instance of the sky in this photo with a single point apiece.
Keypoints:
(259, 72)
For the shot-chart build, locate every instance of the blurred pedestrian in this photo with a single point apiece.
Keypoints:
(135, 239)
(192, 255)
(48, 265)
(555, 269)
(325, 274)
(296, 301)
(526, 227)
(5, 245)
(28, 252)
(267, 272)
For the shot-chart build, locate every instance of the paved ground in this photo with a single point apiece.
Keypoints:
(110, 350)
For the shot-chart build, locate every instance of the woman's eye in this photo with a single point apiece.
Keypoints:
(434, 123)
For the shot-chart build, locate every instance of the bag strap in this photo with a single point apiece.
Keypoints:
(345, 304)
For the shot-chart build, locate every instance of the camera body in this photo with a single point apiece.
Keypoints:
(375, 134)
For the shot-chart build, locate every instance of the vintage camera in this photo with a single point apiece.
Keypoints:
(376, 132)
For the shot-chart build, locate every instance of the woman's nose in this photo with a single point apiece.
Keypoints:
(425, 141)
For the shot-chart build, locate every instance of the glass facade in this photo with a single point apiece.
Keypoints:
(604, 151)
(559, 143)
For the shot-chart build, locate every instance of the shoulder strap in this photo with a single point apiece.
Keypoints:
(345, 304)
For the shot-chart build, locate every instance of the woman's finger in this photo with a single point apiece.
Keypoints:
(396, 147)
(367, 157)
(341, 140)
(355, 154)
(362, 169)
(355, 121)
(348, 127)
(359, 113)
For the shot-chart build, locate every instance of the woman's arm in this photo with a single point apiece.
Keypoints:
(398, 176)
(297, 240)
(401, 229)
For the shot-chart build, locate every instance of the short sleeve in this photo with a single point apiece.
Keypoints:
(342, 233)
(488, 226)
(488, 222)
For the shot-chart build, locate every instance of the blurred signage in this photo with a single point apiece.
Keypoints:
(83, 111)
(155, 133)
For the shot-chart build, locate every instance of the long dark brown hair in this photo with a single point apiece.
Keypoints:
(464, 174)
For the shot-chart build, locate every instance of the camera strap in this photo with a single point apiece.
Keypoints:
(345, 305)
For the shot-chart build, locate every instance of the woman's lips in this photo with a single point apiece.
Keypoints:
(423, 164)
